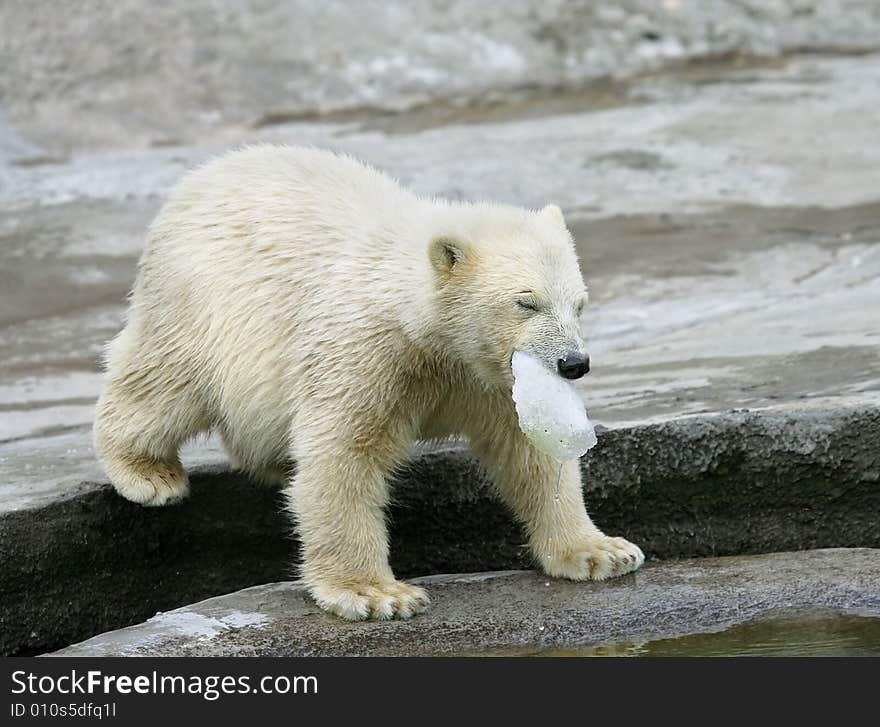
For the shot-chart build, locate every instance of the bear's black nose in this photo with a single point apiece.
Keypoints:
(574, 365)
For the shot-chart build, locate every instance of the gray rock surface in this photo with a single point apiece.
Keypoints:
(512, 612)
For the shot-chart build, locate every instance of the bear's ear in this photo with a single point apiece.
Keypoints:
(552, 212)
(448, 254)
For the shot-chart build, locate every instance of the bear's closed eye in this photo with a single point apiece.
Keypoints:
(528, 304)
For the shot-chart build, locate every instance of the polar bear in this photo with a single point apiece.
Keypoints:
(311, 310)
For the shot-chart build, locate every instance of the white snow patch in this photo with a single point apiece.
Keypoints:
(190, 623)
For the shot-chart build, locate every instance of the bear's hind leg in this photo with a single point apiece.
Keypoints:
(142, 419)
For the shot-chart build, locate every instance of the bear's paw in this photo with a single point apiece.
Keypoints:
(147, 481)
(381, 601)
(596, 558)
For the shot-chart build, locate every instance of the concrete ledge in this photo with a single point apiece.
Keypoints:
(88, 561)
(512, 612)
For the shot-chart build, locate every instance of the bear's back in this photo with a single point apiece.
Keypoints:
(293, 213)
(270, 185)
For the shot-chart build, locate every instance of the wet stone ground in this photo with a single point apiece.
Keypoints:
(752, 599)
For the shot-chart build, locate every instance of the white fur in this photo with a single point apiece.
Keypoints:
(311, 310)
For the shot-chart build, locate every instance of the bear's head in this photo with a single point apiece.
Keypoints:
(506, 280)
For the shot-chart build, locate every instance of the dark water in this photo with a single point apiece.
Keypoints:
(805, 633)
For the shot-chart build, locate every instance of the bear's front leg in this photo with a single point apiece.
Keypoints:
(562, 537)
(338, 498)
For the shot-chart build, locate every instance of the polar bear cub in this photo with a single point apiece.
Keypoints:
(309, 309)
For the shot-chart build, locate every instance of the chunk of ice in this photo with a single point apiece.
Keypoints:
(550, 411)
